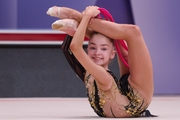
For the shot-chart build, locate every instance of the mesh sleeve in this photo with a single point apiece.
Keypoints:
(73, 62)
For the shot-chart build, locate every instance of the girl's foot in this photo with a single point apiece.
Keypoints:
(53, 11)
(64, 13)
(68, 26)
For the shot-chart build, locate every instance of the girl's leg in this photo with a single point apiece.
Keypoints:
(64, 13)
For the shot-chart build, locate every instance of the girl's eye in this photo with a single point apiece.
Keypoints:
(104, 49)
(92, 48)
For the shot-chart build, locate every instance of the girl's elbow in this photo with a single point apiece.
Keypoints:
(73, 46)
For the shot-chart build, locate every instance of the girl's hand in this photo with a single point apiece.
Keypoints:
(91, 11)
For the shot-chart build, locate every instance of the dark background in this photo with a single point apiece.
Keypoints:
(39, 71)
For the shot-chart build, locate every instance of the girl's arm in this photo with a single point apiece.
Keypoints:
(102, 77)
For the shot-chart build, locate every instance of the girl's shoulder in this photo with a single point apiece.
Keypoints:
(113, 75)
(88, 75)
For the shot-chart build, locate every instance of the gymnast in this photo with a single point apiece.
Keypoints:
(109, 97)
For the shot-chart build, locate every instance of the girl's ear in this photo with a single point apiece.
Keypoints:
(113, 54)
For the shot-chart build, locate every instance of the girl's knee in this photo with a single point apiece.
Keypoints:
(134, 30)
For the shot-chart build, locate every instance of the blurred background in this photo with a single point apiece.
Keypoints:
(42, 70)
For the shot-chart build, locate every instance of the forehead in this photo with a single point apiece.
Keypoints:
(100, 39)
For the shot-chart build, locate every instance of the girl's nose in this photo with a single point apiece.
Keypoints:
(97, 52)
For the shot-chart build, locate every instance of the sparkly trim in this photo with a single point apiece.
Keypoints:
(94, 98)
(135, 107)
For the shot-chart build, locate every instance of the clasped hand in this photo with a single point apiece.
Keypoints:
(91, 11)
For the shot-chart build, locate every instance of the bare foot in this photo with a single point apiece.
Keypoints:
(68, 26)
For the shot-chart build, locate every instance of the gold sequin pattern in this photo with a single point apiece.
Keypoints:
(135, 107)
(136, 103)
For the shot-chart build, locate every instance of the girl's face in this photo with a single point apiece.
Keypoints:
(101, 50)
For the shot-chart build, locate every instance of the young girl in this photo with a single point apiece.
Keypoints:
(109, 97)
